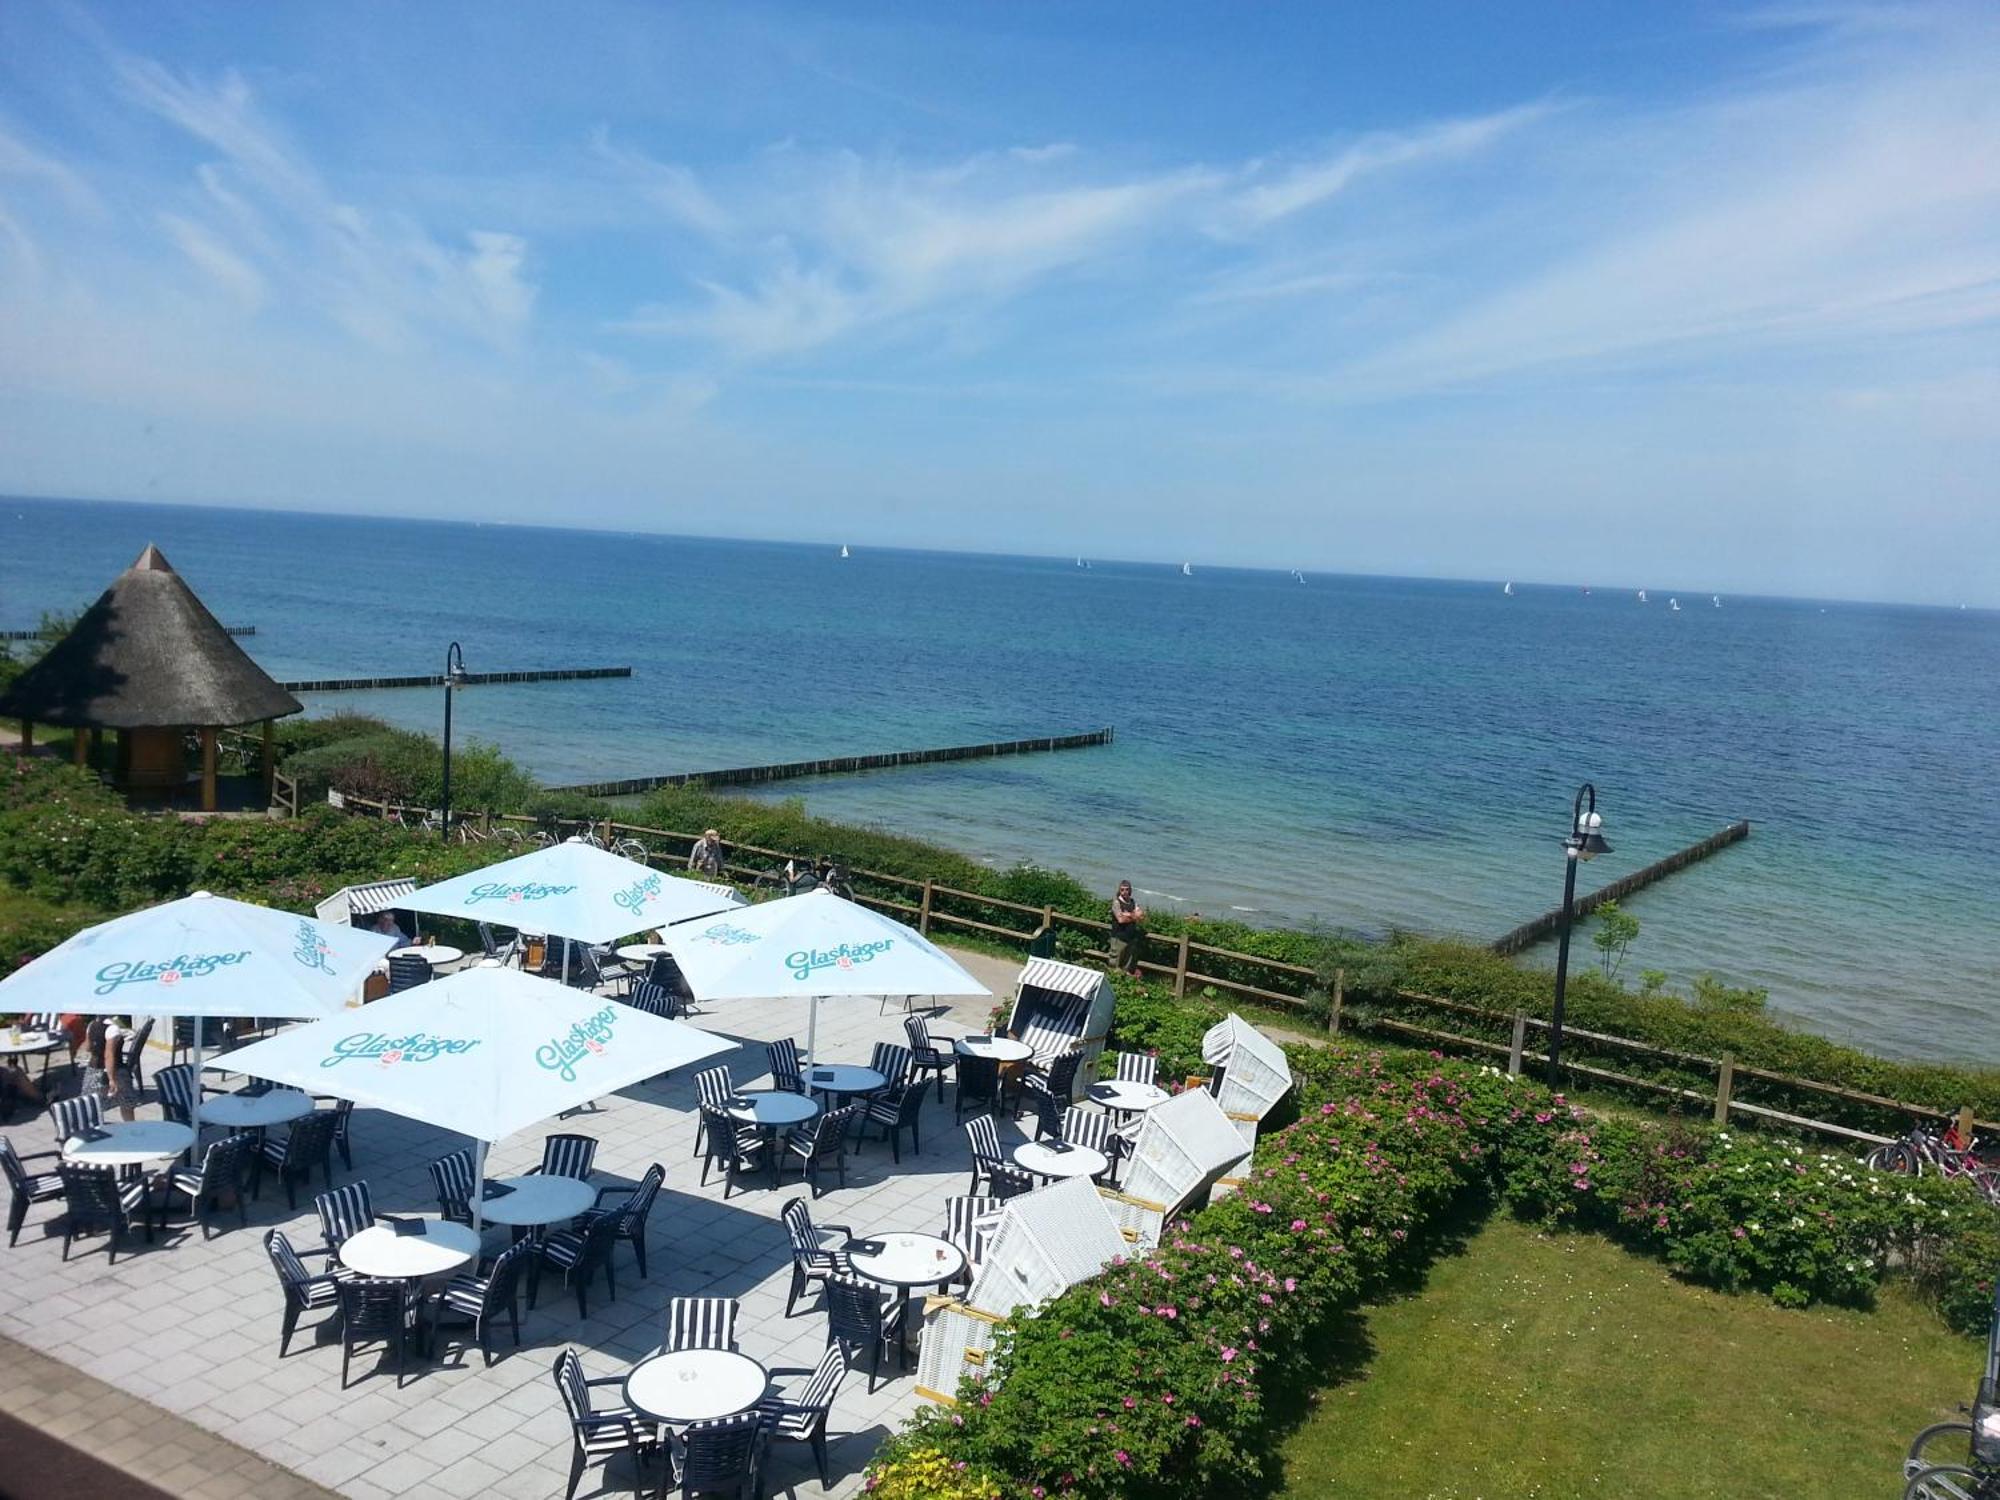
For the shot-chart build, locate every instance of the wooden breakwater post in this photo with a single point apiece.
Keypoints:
(839, 764)
(436, 679)
(50, 635)
(1530, 933)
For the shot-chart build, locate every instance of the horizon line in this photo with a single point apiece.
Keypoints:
(1564, 585)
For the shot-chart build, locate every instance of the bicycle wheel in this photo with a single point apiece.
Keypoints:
(1947, 1482)
(1952, 1441)
(1897, 1156)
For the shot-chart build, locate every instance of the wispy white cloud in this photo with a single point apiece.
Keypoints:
(230, 271)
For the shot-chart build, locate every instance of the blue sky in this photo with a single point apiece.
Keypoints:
(1701, 297)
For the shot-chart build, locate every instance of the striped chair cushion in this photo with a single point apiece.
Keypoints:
(652, 998)
(714, 1087)
(1049, 1034)
(892, 1062)
(344, 1212)
(569, 1156)
(74, 1116)
(701, 1323)
(784, 1058)
(1137, 1067)
(985, 1137)
(564, 1248)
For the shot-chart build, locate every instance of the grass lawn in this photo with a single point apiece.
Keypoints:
(1560, 1365)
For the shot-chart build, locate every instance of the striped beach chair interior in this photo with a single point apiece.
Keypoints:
(1050, 1034)
(701, 1323)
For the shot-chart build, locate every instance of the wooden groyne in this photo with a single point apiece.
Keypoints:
(1530, 933)
(55, 635)
(839, 764)
(436, 679)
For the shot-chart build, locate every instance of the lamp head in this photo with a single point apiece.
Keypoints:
(1589, 839)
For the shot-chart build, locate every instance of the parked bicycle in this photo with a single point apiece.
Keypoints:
(1925, 1151)
(1961, 1460)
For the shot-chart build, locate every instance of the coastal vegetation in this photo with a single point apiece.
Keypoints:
(1183, 1374)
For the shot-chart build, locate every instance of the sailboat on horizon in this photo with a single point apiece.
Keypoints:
(1716, 600)
(1674, 605)
(1642, 597)
(843, 549)
(1508, 590)
(1297, 575)
(1187, 570)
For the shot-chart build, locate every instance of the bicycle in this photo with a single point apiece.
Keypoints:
(1924, 1149)
(1977, 1475)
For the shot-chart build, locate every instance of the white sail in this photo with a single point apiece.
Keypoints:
(843, 549)
(1674, 605)
(1642, 596)
(1716, 600)
(1508, 591)
(1187, 570)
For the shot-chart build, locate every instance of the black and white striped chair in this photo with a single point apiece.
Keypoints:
(814, 1255)
(634, 1213)
(75, 1117)
(343, 1213)
(97, 1198)
(566, 1155)
(308, 1144)
(1092, 1129)
(407, 971)
(304, 1292)
(579, 1253)
(817, 1145)
(1136, 1067)
(893, 1112)
(985, 1137)
(892, 1062)
(599, 1432)
(926, 1056)
(968, 1220)
(484, 1298)
(376, 1310)
(1005, 1180)
(222, 1178)
(713, 1088)
(176, 1089)
(700, 1323)
(722, 1456)
(451, 1175)
(800, 1416)
(1056, 1082)
(731, 1144)
(860, 1319)
(25, 1187)
(653, 999)
(785, 1073)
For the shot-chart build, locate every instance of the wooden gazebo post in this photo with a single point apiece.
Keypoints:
(208, 768)
(268, 762)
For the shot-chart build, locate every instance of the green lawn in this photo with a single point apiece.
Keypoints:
(1560, 1365)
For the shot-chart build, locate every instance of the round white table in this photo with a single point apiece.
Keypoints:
(695, 1385)
(907, 1260)
(129, 1143)
(537, 1199)
(843, 1078)
(434, 954)
(380, 1251)
(1045, 1159)
(643, 953)
(254, 1111)
(1127, 1098)
(999, 1049)
(771, 1108)
(30, 1043)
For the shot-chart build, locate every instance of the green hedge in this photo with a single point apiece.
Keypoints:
(1177, 1375)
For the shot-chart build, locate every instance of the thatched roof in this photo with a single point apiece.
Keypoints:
(146, 655)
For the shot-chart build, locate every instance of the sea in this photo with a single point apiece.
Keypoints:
(1365, 753)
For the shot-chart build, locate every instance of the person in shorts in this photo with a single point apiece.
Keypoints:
(705, 858)
(1126, 916)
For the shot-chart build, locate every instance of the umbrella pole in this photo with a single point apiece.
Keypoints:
(478, 1188)
(194, 1102)
(565, 961)
(812, 1030)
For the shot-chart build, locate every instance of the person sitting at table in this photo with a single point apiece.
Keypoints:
(16, 1084)
(385, 923)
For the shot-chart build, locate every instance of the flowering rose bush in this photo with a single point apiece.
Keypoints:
(1155, 1377)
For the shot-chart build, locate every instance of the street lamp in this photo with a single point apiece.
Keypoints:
(454, 674)
(1584, 842)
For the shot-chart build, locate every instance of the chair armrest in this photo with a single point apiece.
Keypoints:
(844, 1229)
(532, 1172)
(614, 1188)
(787, 1370)
(607, 1380)
(35, 1155)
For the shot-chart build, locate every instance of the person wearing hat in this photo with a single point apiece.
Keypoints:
(706, 856)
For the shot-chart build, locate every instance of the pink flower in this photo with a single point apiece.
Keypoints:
(1229, 1354)
(1123, 1457)
(1130, 1403)
(1193, 1420)
(1297, 1225)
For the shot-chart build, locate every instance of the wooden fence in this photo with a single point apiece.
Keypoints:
(1302, 992)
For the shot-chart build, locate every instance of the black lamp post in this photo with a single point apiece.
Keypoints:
(1584, 842)
(454, 673)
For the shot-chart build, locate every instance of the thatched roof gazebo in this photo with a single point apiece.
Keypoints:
(149, 660)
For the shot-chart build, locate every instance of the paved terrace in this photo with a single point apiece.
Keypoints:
(191, 1328)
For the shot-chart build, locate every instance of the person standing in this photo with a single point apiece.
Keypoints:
(706, 856)
(104, 1070)
(1126, 916)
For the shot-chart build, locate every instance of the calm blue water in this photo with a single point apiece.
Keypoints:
(1371, 752)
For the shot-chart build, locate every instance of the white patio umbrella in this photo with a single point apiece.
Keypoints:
(200, 956)
(483, 1052)
(811, 946)
(572, 888)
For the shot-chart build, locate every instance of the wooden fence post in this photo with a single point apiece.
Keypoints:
(486, 820)
(924, 911)
(1180, 969)
(1048, 925)
(1965, 1128)
(1339, 995)
(1519, 1045)
(607, 831)
(1723, 1085)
